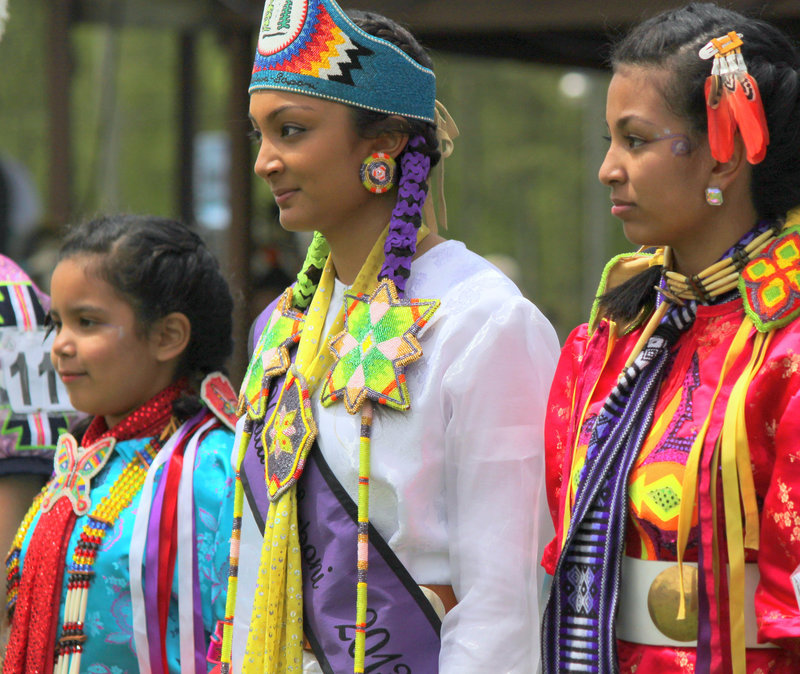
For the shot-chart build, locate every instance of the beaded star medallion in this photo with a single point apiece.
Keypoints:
(378, 341)
(271, 357)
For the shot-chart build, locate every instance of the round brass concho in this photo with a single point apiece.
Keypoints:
(663, 601)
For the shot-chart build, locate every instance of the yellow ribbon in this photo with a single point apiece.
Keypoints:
(689, 486)
(737, 479)
(434, 210)
(570, 497)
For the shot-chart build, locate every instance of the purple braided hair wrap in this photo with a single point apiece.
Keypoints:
(401, 241)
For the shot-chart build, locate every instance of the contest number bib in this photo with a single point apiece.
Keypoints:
(29, 378)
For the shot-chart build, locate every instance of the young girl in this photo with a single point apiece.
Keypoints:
(120, 565)
(396, 394)
(672, 427)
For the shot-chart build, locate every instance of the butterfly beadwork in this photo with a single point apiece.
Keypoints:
(74, 468)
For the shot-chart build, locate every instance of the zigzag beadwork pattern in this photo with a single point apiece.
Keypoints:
(321, 50)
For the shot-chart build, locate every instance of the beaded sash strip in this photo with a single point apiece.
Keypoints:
(585, 591)
(70, 646)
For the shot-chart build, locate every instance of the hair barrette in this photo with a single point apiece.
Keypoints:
(733, 101)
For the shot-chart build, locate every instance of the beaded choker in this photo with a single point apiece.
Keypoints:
(716, 280)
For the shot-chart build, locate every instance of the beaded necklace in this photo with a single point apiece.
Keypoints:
(715, 281)
(721, 277)
(127, 485)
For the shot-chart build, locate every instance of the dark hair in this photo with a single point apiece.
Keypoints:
(160, 266)
(671, 40)
(369, 123)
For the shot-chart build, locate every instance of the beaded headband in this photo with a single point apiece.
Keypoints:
(311, 47)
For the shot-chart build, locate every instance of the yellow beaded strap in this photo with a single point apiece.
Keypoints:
(363, 537)
(233, 562)
(12, 559)
(121, 494)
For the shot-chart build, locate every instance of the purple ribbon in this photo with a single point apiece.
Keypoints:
(152, 552)
(151, 574)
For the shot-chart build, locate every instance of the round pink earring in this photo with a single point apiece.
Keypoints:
(378, 172)
(714, 196)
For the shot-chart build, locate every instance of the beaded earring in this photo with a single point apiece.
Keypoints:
(401, 242)
(378, 172)
(714, 196)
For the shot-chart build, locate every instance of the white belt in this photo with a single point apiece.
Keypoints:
(645, 594)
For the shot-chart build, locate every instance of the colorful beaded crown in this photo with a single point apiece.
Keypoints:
(311, 47)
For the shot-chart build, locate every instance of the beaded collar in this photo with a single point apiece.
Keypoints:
(721, 277)
(146, 421)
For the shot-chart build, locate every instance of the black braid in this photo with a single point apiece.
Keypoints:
(160, 266)
(625, 302)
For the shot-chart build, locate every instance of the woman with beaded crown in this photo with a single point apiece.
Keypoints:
(673, 420)
(395, 407)
(121, 563)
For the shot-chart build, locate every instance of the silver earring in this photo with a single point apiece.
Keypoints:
(714, 196)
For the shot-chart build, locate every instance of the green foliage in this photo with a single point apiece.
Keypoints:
(514, 183)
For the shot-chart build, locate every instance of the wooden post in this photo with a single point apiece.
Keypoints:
(186, 126)
(239, 247)
(59, 72)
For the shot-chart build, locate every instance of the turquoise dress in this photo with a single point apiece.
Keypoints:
(109, 648)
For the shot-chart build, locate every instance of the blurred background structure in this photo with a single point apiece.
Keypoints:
(141, 106)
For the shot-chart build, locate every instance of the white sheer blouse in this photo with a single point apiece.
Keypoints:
(456, 486)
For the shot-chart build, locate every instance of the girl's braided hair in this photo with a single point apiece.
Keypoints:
(160, 266)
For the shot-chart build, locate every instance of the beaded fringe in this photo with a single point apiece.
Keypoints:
(70, 646)
(363, 536)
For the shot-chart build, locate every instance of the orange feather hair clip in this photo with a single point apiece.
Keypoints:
(733, 101)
